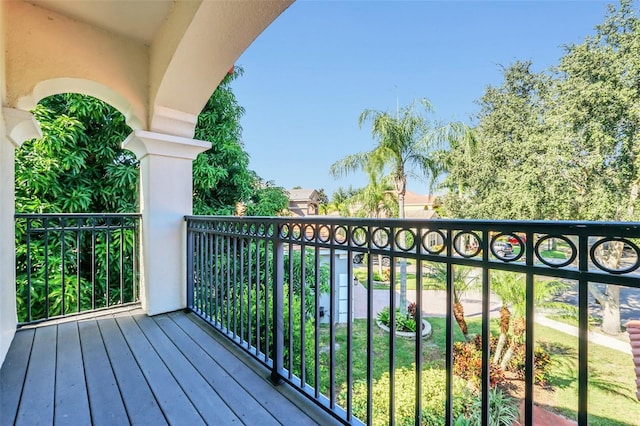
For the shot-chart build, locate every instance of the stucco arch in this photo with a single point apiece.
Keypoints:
(86, 87)
(185, 70)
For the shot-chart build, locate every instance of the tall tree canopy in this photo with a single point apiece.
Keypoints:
(560, 144)
(77, 166)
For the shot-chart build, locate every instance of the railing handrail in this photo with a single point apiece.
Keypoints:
(71, 215)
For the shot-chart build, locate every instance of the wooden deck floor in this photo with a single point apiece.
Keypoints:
(133, 369)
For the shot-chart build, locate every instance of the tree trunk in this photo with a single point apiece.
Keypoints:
(505, 319)
(403, 261)
(609, 297)
(499, 347)
(458, 313)
(610, 305)
(507, 356)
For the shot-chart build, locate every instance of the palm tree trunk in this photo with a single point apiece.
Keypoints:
(403, 261)
(505, 318)
(458, 313)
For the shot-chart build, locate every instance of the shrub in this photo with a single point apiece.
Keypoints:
(404, 322)
(503, 410)
(542, 364)
(467, 363)
(433, 398)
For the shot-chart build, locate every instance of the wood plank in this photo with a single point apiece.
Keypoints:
(140, 402)
(270, 397)
(211, 407)
(13, 374)
(36, 407)
(231, 392)
(72, 402)
(174, 403)
(107, 407)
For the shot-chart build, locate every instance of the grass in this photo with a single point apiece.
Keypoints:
(611, 380)
(611, 376)
(553, 254)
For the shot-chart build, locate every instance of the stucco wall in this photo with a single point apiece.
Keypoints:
(8, 318)
(46, 46)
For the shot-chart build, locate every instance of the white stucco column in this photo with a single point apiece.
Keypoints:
(166, 196)
(16, 126)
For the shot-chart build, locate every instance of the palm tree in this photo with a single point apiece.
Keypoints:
(462, 283)
(376, 200)
(404, 143)
(510, 287)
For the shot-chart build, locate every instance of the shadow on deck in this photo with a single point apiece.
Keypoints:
(128, 368)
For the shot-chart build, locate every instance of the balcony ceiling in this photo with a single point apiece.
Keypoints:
(138, 19)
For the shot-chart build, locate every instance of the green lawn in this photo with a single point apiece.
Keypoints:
(611, 383)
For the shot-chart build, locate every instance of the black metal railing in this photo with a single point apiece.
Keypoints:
(261, 281)
(73, 263)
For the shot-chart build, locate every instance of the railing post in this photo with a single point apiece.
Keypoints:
(583, 327)
(189, 265)
(278, 308)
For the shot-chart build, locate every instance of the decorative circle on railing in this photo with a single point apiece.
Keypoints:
(262, 231)
(501, 246)
(359, 236)
(401, 239)
(237, 227)
(434, 248)
(285, 230)
(561, 261)
(340, 236)
(381, 237)
(296, 231)
(252, 229)
(309, 232)
(245, 228)
(269, 231)
(628, 254)
(324, 234)
(470, 247)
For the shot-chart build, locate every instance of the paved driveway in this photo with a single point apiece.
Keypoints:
(433, 301)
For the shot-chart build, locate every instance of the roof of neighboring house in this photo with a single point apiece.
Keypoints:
(303, 195)
(421, 214)
(417, 199)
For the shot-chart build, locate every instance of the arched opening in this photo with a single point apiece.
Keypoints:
(76, 199)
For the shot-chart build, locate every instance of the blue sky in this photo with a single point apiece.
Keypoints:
(321, 63)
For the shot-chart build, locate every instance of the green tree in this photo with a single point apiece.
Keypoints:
(323, 199)
(77, 166)
(404, 142)
(598, 98)
(266, 199)
(516, 166)
(375, 200)
(561, 144)
(510, 287)
(221, 177)
(341, 201)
